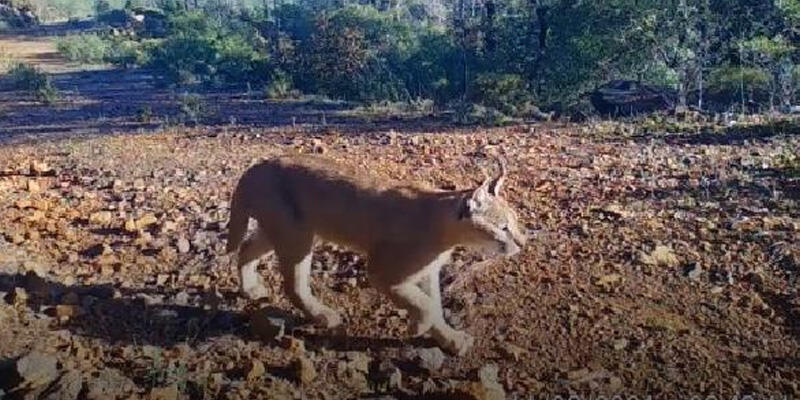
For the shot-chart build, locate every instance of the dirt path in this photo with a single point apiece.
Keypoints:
(38, 51)
(99, 100)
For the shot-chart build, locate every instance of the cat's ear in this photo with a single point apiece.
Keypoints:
(496, 184)
(478, 200)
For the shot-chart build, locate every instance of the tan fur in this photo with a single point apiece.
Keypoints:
(406, 232)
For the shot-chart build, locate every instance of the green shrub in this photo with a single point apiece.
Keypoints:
(90, 49)
(728, 82)
(145, 114)
(280, 87)
(358, 52)
(237, 60)
(6, 60)
(508, 93)
(201, 50)
(28, 78)
(126, 52)
(192, 107)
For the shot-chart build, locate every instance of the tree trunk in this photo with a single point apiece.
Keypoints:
(464, 58)
(700, 88)
(541, 21)
(490, 39)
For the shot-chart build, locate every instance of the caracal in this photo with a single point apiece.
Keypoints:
(407, 234)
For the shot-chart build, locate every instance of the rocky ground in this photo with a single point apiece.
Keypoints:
(664, 265)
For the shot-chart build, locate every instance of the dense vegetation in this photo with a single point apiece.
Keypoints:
(505, 55)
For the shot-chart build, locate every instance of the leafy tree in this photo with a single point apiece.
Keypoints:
(200, 49)
(503, 55)
(772, 55)
(101, 6)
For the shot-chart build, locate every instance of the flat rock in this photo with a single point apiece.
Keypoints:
(358, 361)
(183, 245)
(30, 372)
(68, 387)
(430, 359)
(693, 271)
(486, 387)
(100, 218)
(256, 370)
(108, 384)
(385, 376)
(304, 370)
(164, 393)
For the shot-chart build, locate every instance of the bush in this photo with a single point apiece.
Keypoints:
(28, 78)
(6, 60)
(90, 49)
(237, 60)
(339, 58)
(466, 113)
(360, 53)
(192, 107)
(728, 81)
(507, 93)
(393, 109)
(200, 50)
(127, 53)
(280, 87)
(145, 114)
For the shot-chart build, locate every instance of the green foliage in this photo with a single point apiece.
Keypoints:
(145, 115)
(28, 78)
(465, 113)
(237, 59)
(791, 10)
(339, 58)
(359, 53)
(127, 52)
(507, 93)
(63, 10)
(89, 49)
(789, 161)
(163, 373)
(118, 50)
(6, 60)
(192, 107)
(201, 50)
(768, 48)
(504, 61)
(729, 81)
(280, 87)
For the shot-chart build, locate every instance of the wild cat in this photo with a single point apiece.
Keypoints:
(407, 234)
